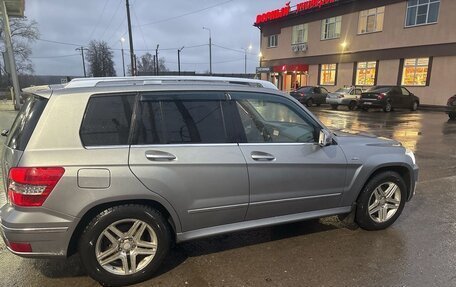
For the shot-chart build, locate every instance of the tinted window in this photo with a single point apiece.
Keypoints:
(323, 90)
(181, 122)
(107, 120)
(379, 89)
(405, 92)
(266, 120)
(305, 89)
(25, 122)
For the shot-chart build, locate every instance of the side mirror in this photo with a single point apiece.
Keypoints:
(5, 133)
(325, 138)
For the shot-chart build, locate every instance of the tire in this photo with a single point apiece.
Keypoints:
(318, 105)
(452, 115)
(309, 103)
(388, 107)
(352, 105)
(334, 107)
(370, 219)
(154, 234)
(414, 106)
(365, 109)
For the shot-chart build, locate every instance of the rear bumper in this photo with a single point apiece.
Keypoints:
(371, 104)
(339, 101)
(48, 234)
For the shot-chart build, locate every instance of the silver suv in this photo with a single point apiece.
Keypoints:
(119, 169)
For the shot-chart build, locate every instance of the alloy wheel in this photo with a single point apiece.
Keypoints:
(384, 202)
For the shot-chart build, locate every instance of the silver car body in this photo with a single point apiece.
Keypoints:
(344, 96)
(208, 189)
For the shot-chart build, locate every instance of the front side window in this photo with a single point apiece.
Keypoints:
(181, 121)
(371, 20)
(420, 12)
(273, 41)
(107, 120)
(415, 72)
(365, 73)
(330, 28)
(299, 34)
(268, 121)
(328, 74)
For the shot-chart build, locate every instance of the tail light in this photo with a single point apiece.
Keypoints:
(20, 247)
(381, 96)
(30, 186)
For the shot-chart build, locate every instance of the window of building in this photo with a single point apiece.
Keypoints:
(181, 122)
(330, 28)
(415, 72)
(299, 34)
(107, 120)
(420, 12)
(365, 73)
(371, 20)
(273, 41)
(328, 74)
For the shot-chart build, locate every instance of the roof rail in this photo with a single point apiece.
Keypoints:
(158, 80)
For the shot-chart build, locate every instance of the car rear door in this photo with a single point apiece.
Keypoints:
(406, 98)
(289, 173)
(183, 150)
(396, 97)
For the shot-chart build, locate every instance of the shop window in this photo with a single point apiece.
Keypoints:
(371, 20)
(273, 41)
(330, 28)
(299, 34)
(415, 72)
(365, 73)
(328, 74)
(421, 12)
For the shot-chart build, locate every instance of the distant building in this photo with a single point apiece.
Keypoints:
(333, 43)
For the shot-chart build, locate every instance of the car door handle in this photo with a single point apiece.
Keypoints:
(262, 156)
(157, 155)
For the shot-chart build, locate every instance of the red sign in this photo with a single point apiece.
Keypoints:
(285, 11)
(291, 68)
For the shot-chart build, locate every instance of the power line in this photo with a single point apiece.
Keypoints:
(112, 18)
(51, 57)
(99, 20)
(58, 42)
(140, 29)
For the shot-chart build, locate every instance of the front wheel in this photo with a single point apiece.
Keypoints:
(309, 103)
(381, 201)
(414, 106)
(124, 245)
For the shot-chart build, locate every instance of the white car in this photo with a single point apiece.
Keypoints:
(346, 96)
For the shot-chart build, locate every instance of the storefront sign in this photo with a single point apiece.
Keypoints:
(291, 68)
(263, 70)
(286, 10)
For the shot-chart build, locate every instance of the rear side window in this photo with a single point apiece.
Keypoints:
(107, 120)
(181, 121)
(25, 122)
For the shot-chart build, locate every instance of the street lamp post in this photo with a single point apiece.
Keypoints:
(156, 59)
(178, 60)
(122, 40)
(245, 58)
(210, 50)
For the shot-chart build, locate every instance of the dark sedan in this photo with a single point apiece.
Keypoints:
(388, 98)
(451, 107)
(310, 95)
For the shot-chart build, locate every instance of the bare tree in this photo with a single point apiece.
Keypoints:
(99, 56)
(23, 33)
(146, 64)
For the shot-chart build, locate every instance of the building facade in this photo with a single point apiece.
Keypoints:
(334, 43)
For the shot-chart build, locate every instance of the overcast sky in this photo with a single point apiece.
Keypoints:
(171, 23)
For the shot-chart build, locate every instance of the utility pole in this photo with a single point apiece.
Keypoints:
(245, 58)
(83, 60)
(122, 40)
(10, 54)
(179, 59)
(210, 50)
(130, 38)
(155, 66)
(156, 60)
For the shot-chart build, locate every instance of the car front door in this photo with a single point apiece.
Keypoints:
(406, 98)
(184, 151)
(323, 95)
(288, 171)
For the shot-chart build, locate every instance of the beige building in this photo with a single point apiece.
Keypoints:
(334, 43)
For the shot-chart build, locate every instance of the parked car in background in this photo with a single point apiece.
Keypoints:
(310, 95)
(451, 108)
(346, 96)
(388, 98)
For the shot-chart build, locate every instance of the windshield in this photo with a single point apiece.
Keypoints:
(305, 89)
(343, 90)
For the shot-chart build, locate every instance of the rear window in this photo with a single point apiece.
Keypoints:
(181, 122)
(25, 122)
(379, 89)
(107, 120)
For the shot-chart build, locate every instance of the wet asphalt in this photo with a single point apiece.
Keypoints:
(418, 250)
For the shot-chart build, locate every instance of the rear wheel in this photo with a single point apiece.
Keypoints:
(352, 105)
(452, 115)
(381, 201)
(388, 107)
(414, 106)
(334, 107)
(124, 244)
(309, 103)
(365, 109)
